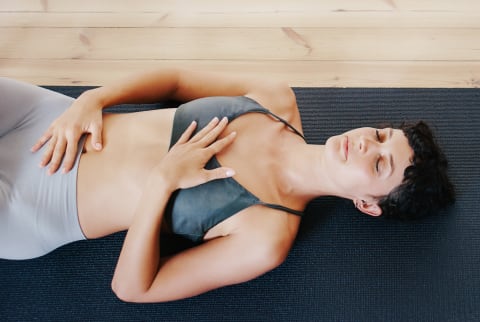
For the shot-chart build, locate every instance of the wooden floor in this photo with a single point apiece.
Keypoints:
(342, 43)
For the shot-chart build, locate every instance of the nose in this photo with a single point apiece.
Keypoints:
(365, 144)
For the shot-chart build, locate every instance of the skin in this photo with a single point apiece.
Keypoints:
(285, 171)
(368, 163)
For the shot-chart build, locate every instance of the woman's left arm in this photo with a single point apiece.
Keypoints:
(182, 167)
(141, 275)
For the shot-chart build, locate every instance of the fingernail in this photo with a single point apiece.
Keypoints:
(98, 146)
(230, 173)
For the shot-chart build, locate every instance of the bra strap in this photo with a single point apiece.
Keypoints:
(264, 110)
(282, 208)
(290, 126)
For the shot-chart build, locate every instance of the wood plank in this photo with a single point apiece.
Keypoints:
(252, 6)
(241, 44)
(338, 19)
(297, 73)
(399, 43)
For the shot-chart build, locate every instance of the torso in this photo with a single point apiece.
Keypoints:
(110, 182)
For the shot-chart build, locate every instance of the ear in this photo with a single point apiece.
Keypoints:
(368, 207)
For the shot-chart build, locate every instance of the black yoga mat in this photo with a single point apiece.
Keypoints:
(344, 266)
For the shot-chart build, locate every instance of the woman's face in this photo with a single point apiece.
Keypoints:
(367, 162)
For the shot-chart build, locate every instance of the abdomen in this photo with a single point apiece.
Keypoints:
(110, 182)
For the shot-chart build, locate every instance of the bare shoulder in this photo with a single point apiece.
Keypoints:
(275, 95)
(278, 97)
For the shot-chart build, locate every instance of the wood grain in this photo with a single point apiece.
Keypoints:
(345, 43)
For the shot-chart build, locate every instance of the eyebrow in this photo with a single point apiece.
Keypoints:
(392, 165)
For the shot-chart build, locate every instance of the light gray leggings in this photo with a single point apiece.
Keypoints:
(38, 212)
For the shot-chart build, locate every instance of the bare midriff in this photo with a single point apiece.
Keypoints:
(110, 182)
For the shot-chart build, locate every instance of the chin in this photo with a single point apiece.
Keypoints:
(332, 147)
(333, 140)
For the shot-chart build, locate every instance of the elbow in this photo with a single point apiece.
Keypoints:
(121, 292)
(125, 293)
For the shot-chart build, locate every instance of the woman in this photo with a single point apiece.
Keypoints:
(245, 224)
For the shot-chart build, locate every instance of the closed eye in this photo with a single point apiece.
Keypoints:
(384, 136)
(379, 139)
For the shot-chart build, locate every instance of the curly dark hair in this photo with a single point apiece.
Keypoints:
(426, 187)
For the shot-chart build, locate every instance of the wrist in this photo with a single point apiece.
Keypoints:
(161, 181)
(94, 98)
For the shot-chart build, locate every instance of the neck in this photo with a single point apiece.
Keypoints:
(305, 173)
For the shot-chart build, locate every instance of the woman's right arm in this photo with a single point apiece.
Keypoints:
(85, 114)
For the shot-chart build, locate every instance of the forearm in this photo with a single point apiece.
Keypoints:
(147, 87)
(139, 259)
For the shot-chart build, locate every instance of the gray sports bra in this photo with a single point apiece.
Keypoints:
(192, 212)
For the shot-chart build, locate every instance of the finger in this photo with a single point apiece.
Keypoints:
(97, 137)
(214, 132)
(44, 139)
(206, 130)
(69, 159)
(47, 155)
(57, 156)
(70, 153)
(219, 173)
(221, 144)
(187, 133)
